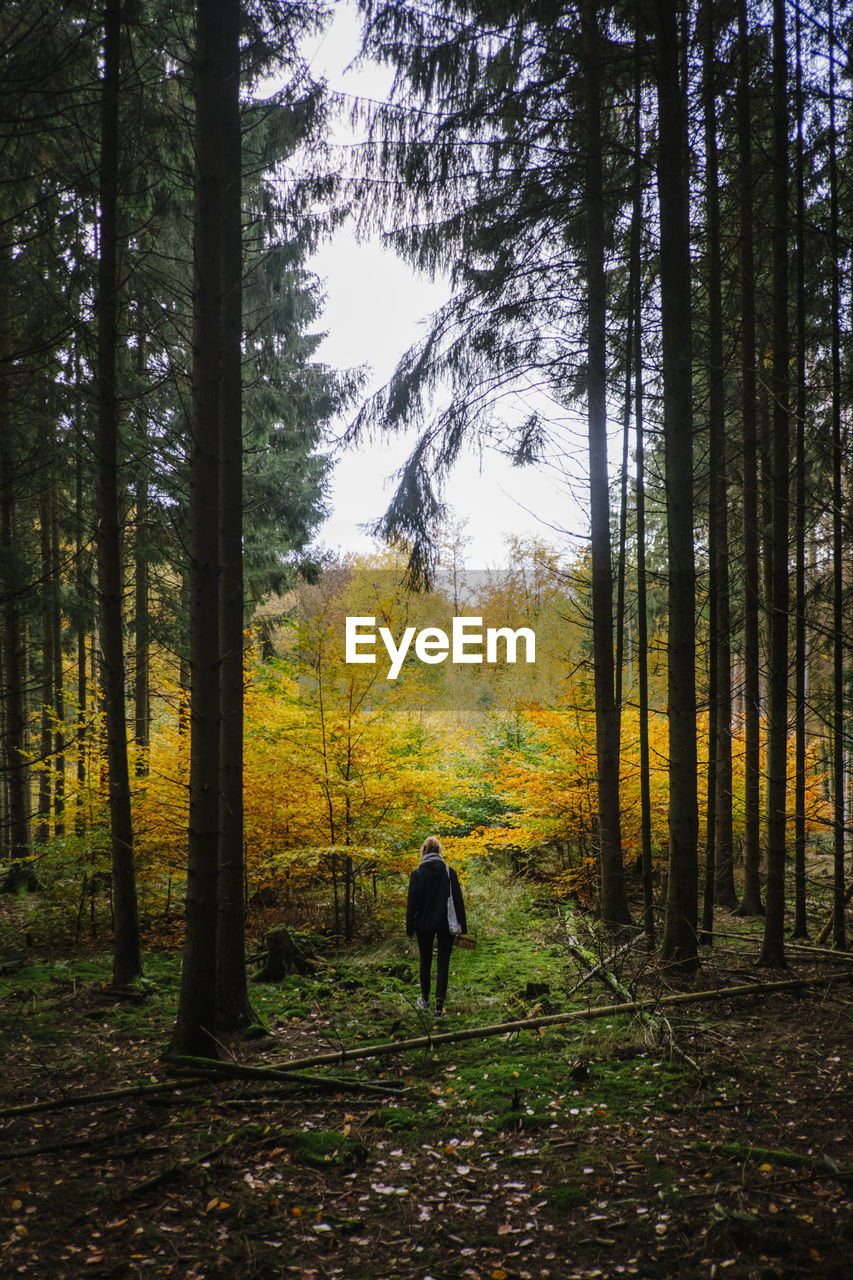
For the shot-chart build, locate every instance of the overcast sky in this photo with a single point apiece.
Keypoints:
(376, 307)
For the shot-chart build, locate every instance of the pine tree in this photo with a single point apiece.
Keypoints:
(127, 963)
(680, 926)
(773, 949)
(194, 1031)
(214, 946)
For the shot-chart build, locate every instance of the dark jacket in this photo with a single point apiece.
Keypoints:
(426, 908)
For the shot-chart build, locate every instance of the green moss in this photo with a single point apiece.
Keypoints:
(294, 1010)
(565, 1196)
(321, 1148)
(519, 1121)
(399, 1119)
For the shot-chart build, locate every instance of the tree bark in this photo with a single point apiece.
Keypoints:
(45, 796)
(750, 903)
(142, 673)
(712, 221)
(838, 497)
(194, 1031)
(621, 556)
(614, 905)
(126, 954)
(773, 949)
(80, 741)
(58, 683)
(706, 936)
(721, 707)
(680, 928)
(13, 653)
(636, 304)
(234, 1010)
(800, 929)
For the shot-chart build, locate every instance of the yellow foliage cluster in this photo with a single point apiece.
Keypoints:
(345, 771)
(549, 784)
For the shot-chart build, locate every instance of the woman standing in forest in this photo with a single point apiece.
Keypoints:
(430, 885)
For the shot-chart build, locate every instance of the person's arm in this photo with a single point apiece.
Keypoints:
(412, 904)
(456, 890)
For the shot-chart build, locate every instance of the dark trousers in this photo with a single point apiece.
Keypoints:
(444, 939)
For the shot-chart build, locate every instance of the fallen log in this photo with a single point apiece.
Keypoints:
(200, 1072)
(827, 953)
(554, 1020)
(825, 1166)
(109, 1095)
(217, 1069)
(386, 1049)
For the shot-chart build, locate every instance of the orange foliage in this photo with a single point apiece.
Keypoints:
(344, 768)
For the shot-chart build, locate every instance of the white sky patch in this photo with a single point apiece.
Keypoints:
(376, 308)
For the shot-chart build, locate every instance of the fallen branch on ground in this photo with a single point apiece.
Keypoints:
(828, 953)
(554, 1020)
(110, 1095)
(825, 1166)
(203, 1071)
(216, 1069)
(72, 1144)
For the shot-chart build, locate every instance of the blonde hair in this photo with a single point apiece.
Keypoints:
(432, 844)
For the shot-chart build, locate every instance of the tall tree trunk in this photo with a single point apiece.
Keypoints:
(621, 560)
(680, 927)
(234, 1010)
(52, 778)
(184, 660)
(706, 935)
(127, 963)
(142, 628)
(636, 304)
(838, 726)
(45, 797)
(614, 904)
(82, 673)
(197, 1007)
(58, 682)
(750, 903)
(801, 657)
(773, 949)
(721, 710)
(12, 667)
(643, 653)
(51, 782)
(712, 223)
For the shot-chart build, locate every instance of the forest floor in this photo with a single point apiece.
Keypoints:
(694, 1141)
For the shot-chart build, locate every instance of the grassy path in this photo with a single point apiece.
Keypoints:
(716, 1143)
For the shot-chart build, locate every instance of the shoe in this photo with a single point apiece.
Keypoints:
(439, 1010)
(421, 1003)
